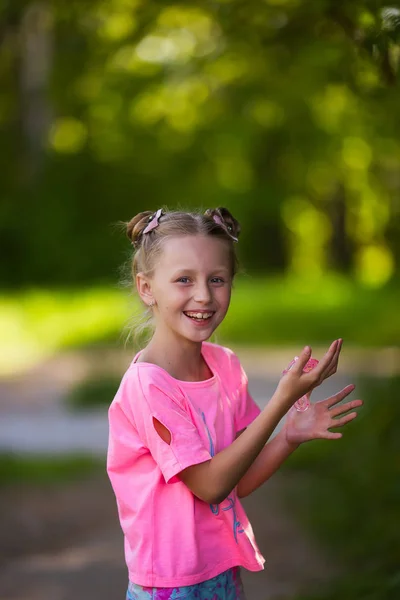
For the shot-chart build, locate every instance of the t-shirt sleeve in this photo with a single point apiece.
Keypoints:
(246, 410)
(152, 398)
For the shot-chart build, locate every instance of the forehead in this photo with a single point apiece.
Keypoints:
(196, 252)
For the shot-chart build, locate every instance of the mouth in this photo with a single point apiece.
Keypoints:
(199, 317)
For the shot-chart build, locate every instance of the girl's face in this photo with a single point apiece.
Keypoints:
(191, 286)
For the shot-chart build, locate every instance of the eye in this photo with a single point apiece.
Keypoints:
(217, 280)
(183, 280)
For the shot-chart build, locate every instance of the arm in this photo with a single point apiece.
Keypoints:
(213, 480)
(271, 457)
(298, 428)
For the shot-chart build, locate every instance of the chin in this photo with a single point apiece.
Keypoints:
(198, 336)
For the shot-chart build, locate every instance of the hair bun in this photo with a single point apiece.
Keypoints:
(226, 220)
(136, 226)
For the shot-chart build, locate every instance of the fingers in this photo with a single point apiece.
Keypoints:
(328, 363)
(344, 420)
(330, 354)
(333, 435)
(340, 410)
(340, 395)
(332, 367)
(304, 357)
(335, 360)
(330, 435)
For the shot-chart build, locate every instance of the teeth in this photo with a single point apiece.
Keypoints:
(199, 315)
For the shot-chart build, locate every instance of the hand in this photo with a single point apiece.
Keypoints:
(295, 383)
(319, 418)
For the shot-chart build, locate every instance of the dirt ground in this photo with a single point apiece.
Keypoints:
(62, 542)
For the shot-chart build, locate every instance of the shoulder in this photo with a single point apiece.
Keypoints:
(144, 381)
(144, 375)
(221, 356)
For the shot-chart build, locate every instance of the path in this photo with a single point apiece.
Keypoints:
(81, 555)
(34, 418)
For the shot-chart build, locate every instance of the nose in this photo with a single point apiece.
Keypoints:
(202, 293)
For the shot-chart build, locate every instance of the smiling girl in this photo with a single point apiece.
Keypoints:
(187, 440)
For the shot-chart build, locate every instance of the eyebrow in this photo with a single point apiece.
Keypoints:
(184, 270)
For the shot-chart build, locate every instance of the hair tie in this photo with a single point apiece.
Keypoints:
(153, 221)
(216, 216)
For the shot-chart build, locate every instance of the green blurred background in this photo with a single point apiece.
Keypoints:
(284, 111)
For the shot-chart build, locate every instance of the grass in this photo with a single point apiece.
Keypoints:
(37, 323)
(93, 393)
(45, 469)
(350, 497)
(280, 312)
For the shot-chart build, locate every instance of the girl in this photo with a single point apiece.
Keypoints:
(186, 438)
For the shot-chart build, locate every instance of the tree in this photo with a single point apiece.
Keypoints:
(284, 111)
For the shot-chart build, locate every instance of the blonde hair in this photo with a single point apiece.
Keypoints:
(148, 246)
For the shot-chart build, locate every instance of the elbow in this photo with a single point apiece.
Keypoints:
(212, 496)
(241, 492)
(216, 496)
(208, 494)
(204, 485)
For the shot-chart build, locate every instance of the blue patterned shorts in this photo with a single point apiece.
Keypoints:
(226, 586)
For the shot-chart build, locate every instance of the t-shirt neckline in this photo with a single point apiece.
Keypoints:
(199, 383)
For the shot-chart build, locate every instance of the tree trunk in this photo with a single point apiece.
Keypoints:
(36, 48)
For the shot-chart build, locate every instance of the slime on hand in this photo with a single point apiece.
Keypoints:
(304, 402)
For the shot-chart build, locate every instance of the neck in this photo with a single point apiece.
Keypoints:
(179, 357)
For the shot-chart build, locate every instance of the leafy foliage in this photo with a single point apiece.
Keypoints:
(351, 495)
(46, 470)
(284, 111)
(94, 393)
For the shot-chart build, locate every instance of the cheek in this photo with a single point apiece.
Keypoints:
(172, 298)
(224, 296)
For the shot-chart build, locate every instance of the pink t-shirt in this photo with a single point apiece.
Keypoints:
(172, 538)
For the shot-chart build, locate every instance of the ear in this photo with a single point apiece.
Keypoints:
(143, 285)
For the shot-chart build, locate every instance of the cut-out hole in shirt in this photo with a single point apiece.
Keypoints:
(162, 431)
